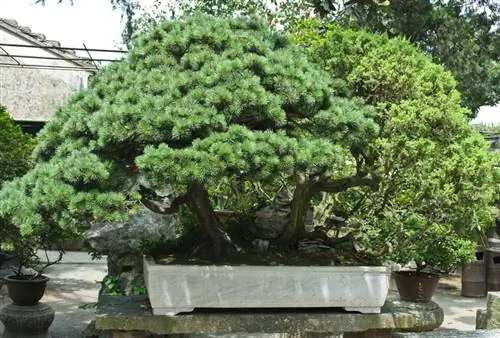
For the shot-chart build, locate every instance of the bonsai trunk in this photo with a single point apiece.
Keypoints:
(300, 203)
(199, 203)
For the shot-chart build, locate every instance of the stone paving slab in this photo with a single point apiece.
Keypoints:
(451, 334)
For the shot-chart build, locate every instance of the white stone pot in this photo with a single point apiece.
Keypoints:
(181, 288)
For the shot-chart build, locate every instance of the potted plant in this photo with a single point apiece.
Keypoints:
(430, 249)
(26, 286)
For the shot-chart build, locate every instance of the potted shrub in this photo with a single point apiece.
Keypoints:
(432, 249)
(26, 285)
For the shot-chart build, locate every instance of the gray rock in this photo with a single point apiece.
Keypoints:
(480, 319)
(261, 245)
(313, 245)
(270, 221)
(124, 243)
(419, 316)
(144, 227)
(128, 268)
(490, 319)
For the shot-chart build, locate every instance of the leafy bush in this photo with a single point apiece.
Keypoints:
(15, 148)
(432, 166)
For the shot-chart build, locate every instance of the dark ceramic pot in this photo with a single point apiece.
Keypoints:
(26, 292)
(415, 287)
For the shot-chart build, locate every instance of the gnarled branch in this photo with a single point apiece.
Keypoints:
(339, 185)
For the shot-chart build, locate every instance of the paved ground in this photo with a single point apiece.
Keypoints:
(460, 312)
(75, 282)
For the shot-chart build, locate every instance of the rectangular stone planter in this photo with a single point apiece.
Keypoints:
(181, 288)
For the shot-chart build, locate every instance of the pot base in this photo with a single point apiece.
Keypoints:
(26, 321)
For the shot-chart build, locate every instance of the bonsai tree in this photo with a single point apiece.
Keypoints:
(195, 102)
(433, 167)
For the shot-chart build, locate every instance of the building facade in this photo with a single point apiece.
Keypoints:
(37, 75)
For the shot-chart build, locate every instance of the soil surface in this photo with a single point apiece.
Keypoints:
(327, 257)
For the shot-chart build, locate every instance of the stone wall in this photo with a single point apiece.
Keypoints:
(35, 94)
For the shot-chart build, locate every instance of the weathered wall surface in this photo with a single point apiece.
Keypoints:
(35, 94)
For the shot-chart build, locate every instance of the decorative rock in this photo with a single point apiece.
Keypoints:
(122, 242)
(141, 228)
(261, 245)
(26, 321)
(270, 221)
(313, 245)
(128, 268)
(490, 319)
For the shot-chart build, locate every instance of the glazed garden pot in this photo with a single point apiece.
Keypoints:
(24, 291)
(415, 287)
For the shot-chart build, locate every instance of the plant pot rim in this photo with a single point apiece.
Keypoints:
(415, 273)
(40, 279)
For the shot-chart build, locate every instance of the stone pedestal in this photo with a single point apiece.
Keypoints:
(127, 317)
(26, 321)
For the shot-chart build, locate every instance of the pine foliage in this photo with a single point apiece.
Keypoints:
(195, 101)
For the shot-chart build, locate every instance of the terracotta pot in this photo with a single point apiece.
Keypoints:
(415, 287)
(26, 292)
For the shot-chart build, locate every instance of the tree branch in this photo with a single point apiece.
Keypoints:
(333, 186)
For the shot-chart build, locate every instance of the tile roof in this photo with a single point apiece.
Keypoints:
(42, 41)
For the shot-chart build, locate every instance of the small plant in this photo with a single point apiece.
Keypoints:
(26, 252)
(139, 290)
(29, 265)
(111, 286)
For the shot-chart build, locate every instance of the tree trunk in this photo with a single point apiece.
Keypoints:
(300, 203)
(199, 203)
(305, 189)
